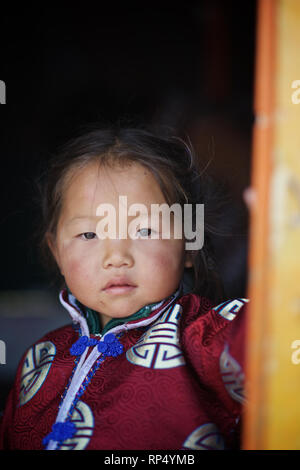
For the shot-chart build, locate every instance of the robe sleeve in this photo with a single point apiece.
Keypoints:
(12, 403)
(214, 345)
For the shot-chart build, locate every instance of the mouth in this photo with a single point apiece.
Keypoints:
(119, 287)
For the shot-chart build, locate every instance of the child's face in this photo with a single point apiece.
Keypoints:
(153, 267)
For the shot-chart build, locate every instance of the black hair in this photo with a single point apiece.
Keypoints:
(172, 161)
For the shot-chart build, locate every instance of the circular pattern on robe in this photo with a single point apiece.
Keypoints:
(83, 419)
(36, 366)
(205, 437)
(159, 346)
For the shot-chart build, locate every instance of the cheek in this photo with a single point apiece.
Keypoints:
(166, 259)
(76, 268)
(168, 267)
(164, 272)
(162, 260)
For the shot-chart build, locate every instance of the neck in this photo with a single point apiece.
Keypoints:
(97, 327)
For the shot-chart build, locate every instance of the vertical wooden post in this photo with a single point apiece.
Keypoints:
(272, 415)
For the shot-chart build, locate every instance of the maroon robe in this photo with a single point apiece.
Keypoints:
(178, 384)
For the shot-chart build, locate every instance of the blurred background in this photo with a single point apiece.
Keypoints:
(186, 65)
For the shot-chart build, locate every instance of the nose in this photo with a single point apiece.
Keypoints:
(117, 254)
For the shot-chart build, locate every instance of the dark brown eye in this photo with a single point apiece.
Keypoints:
(145, 232)
(88, 235)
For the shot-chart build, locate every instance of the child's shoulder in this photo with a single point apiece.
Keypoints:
(195, 303)
(198, 309)
(61, 338)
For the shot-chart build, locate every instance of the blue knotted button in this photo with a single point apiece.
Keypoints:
(79, 347)
(60, 432)
(83, 342)
(110, 346)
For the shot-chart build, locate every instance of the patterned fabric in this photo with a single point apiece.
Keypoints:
(177, 384)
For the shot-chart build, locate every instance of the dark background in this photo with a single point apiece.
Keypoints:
(188, 65)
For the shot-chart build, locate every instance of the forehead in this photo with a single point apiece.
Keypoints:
(96, 184)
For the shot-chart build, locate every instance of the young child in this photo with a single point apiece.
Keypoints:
(144, 365)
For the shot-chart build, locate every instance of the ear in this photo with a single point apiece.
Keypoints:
(51, 242)
(189, 259)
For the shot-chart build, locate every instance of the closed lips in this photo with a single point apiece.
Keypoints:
(118, 284)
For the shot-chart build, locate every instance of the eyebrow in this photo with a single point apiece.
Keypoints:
(82, 217)
(93, 217)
